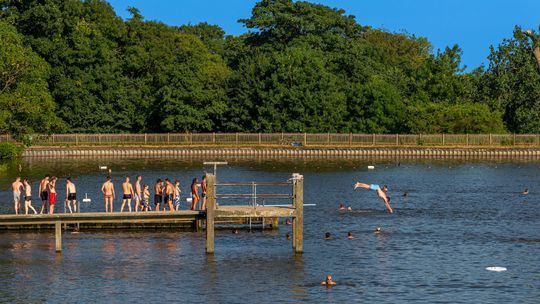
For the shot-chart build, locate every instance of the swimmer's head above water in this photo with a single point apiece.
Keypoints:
(327, 236)
(329, 281)
(378, 230)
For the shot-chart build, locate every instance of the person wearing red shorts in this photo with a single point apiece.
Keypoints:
(52, 194)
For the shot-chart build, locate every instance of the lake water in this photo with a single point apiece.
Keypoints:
(458, 218)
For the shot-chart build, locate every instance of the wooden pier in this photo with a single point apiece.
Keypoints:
(214, 213)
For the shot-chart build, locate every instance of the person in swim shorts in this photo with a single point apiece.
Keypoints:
(108, 191)
(44, 194)
(177, 192)
(146, 198)
(51, 186)
(28, 197)
(203, 192)
(71, 195)
(158, 196)
(381, 192)
(128, 194)
(138, 194)
(194, 194)
(16, 187)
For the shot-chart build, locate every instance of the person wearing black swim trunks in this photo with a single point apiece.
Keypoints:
(44, 194)
(158, 197)
(169, 195)
(203, 189)
(127, 187)
(71, 195)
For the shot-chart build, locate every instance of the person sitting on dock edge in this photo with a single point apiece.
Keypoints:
(381, 192)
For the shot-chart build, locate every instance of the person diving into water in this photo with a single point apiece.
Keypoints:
(381, 192)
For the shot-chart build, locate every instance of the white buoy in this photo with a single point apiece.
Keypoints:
(103, 167)
(86, 199)
(496, 269)
(371, 167)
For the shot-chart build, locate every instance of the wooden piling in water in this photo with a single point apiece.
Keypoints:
(210, 211)
(298, 222)
(58, 236)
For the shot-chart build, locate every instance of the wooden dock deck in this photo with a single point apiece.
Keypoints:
(214, 214)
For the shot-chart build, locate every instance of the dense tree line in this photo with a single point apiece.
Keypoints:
(75, 66)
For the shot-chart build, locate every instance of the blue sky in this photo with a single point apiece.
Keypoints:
(473, 24)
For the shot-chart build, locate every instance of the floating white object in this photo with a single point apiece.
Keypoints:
(371, 167)
(103, 167)
(86, 199)
(496, 268)
(189, 199)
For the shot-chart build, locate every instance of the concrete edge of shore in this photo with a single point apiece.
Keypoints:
(58, 152)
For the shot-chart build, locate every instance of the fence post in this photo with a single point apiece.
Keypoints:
(99, 138)
(76, 139)
(373, 139)
(397, 139)
(168, 138)
(191, 138)
(214, 137)
(305, 139)
(419, 139)
(145, 138)
(350, 139)
(467, 142)
(490, 140)
(210, 211)
(443, 140)
(259, 138)
(237, 138)
(328, 138)
(514, 139)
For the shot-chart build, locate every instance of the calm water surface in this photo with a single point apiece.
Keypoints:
(457, 219)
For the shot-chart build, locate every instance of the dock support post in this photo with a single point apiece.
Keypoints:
(210, 211)
(298, 222)
(58, 236)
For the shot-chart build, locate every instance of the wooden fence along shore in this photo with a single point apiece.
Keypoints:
(286, 139)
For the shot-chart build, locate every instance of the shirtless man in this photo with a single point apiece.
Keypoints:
(158, 196)
(169, 195)
(177, 192)
(138, 193)
(108, 191)
(194, 194)
(71, 195)
(380, 192)
(128, 194)
(28, 197)
(203, 188)
(16, 187)
(44, 194)
(51, 188)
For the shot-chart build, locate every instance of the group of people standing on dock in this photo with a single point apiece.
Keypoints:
(166, 195)
(22, 191)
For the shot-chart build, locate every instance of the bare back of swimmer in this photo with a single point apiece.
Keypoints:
(381, 192)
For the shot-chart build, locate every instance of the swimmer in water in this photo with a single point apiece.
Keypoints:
(349, 235)
(341, 207)
(377, 230)
(526, 192)
(327, 236)
(349, 208)
(381, 192)
(288, 222)
(288, 236)
(329, 281)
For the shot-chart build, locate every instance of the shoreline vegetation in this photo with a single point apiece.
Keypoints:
(72, 66)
